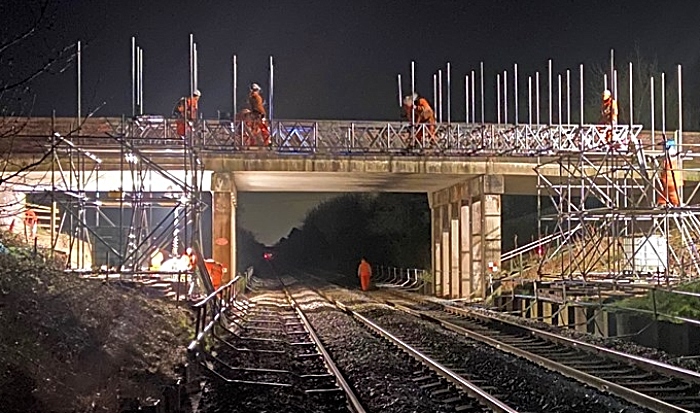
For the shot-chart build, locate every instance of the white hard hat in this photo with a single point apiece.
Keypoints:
(254, 86)
(197, 92)
(606, 94)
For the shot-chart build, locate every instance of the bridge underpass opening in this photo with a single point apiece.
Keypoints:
(463, 236)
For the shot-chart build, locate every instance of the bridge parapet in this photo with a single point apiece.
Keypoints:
(335, 137)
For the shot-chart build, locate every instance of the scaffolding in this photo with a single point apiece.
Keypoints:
(615, 220)
(118, 231)
(123, 228)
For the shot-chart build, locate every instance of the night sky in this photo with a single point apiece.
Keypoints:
(334, 59)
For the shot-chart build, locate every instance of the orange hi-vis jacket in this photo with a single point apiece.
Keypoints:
(424, 113)
(364, 270)
(609, 111)
(188, 108)
(255, 101)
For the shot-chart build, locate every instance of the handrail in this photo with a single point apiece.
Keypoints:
(350, 137)
(537, 243)
(209, 310)
(410, 279)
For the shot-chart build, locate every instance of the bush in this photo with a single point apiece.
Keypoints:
(77, 345)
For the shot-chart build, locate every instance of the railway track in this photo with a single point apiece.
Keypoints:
(647, 383)
(445, 386)
(269, 358)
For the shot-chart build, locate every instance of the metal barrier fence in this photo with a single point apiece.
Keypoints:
(360, 137)
(408, 279)
(381, 137)
(210, 309)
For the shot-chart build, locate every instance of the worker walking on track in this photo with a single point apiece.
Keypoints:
(364, 271)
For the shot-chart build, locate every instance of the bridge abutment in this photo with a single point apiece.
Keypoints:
(466, 236)
(224, 203)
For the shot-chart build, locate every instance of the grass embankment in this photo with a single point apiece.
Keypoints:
(667, 303)
(74, 345)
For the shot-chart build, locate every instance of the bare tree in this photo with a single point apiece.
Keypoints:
(28, 50)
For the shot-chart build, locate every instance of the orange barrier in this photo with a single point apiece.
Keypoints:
(216, 272)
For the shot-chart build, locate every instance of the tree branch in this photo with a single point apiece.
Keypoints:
(29, 32)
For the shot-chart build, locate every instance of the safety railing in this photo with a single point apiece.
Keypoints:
(409, 279)
(655, 306)
(337, 137)
(209, 310)
(517, 259)
(345, 137)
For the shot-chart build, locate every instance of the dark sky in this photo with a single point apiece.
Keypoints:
(271, 216)
(334, 59)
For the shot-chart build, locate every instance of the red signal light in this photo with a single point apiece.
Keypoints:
(267, 256)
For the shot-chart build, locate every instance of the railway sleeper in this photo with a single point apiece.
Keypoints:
(432, 385)
(308, 355)
(440, 392)
(568, 355)
(640, 375)
(678, 388)
(319, 391)
(610, 370)
(422, 378)
(262, 321)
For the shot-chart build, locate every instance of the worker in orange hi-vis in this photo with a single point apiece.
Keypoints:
(364, 271)
(31, 222)
(258, 114)
(407, 108)
(671, 178)
(192, 258)
(608, 113)
(187, 111)
(157, 259)
(424, 114)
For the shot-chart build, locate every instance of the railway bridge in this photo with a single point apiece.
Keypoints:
(463, 168)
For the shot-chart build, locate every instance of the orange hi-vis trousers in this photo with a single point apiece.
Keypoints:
(364, 281)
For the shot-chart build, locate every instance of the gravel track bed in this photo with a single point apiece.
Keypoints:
(222, 397)
(528, 387)
(612, 343)
(618, 344)
(378, 371)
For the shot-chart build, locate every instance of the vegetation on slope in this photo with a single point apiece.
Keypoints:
(667, 303)
(74, 345)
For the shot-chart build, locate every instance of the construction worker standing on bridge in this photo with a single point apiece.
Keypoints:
(609, 113)
(670, 177)
(424, 116)
(364, 271)
(258, 115)
(186, 112)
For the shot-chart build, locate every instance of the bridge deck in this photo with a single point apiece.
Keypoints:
(353, 156)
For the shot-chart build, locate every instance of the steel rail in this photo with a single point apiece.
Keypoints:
(633, 396)
(644, 363)
(353, 401)
(468, 387)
